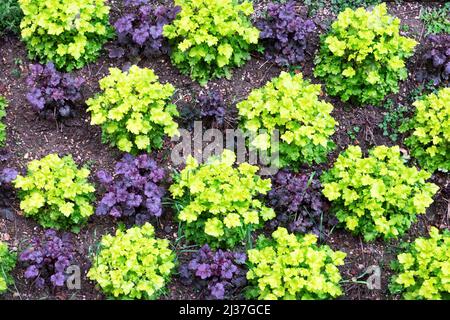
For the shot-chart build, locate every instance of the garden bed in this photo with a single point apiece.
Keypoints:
(30, 137)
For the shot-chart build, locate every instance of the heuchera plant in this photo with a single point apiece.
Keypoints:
(140, 30)
(7, 264)
(56, 193)
(70, 33)
(221, 272)
(48, 259)
(218, 203)
(133, 191)
(290, 105)
(133, 264)
(422, 270)
(299, 204)
(210, 37)
(134, 110)
(212, 105)
(209, 107)
(363, 56)
(52, 93)
(293, 267)
(436, 61)
(430, 126)
(378, 195)
(7, 175)
(284, 34)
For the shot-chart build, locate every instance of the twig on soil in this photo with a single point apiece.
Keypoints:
(263, 64)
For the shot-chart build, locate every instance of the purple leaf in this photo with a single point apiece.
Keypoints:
(218, 290)
(58, 279)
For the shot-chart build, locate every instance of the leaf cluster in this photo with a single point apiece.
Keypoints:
(430, 131)
(290, 267)
(70, 33)
(7, 264)
(210, 37)
(56, 193)
(133, 264)
(134, 110)
(423, 269)
(290, 106)
(218, 203)
(378, 195)
(363, 56)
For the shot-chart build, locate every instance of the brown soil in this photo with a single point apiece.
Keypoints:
(30, 137)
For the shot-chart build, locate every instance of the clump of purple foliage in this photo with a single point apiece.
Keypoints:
(52, 92)
(284, 34)
(141, 30)
(436, 61)
(48, 258)
(298, 201)
(212, 104)
(221, 272)
(6, 176)
(134, 190)
(208, 106)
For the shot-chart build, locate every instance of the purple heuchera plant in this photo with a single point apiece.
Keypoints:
(284, 34)
(134, 189)
(48, 257)
(141, 30)
(7, 175)
(51, 90)
(212, 104)
(221, 272)
(299, 204)
(436, 61)
(6, 191)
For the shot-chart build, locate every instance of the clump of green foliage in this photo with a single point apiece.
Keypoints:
(436, 20)
(134, 110)
(290, 105)
(394, 117)
(363, 56)
(56, 193)
(70, 33)
(3, 105)
(133, 264)
(293, 267)
(430, 126)
(377, 196)
(218, 203)
(210, 37)
(10, 16)
(7, 263)
(423, 269)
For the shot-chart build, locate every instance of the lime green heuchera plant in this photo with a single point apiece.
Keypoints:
(290, 105)
(430, 139)
(363, 57)
(423, 269)
(377, 196)
(133, 264)
(134, 110)
(70, 33)
(210, 37)
(218, 203)
(7, 263)
(56, 193)
(291, 267)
